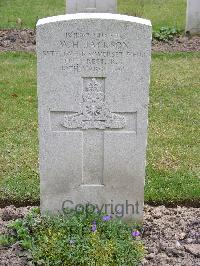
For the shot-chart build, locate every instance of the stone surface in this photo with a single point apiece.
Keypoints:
(93, 78)
(193, 249)
(91, 6)
(193, 17)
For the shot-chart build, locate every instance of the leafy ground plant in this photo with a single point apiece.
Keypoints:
(79, 238)
(165, 34)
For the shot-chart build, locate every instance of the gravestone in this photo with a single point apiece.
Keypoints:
(91, 6)
(193, 17)
(93, 79)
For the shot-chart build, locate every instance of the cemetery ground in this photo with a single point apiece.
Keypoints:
(24, 14)
(21, 22)
(172, 161)
(171, 233)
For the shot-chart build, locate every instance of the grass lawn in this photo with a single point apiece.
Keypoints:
(29, 11)
(173, 149)
(173, 169)
(161, 12)
(18, 131)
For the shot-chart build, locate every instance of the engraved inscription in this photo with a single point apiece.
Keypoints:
(94, 113)
(81, 52)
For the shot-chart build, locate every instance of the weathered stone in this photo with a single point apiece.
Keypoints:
(193, 249)
(91, 6)
(93, 78)
(193, 17)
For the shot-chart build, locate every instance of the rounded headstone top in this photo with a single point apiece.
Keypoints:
(82, 16)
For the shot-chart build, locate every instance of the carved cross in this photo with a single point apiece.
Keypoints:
(93, 119)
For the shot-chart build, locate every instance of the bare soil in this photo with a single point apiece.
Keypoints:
(25, 40)
(17, 40)
(171, 237)
(179, 44)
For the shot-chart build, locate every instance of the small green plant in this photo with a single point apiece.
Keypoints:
(79, 238)
(165, 34)
(6, 240)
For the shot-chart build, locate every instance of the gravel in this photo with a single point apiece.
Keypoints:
(180, 44)
(17, 40)
(172, 236)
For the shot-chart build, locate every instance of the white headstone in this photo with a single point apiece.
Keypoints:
(193, 17)
(91, 6)
(93, 79)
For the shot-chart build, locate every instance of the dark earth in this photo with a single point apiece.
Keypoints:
(171, 236)
(24, 40)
